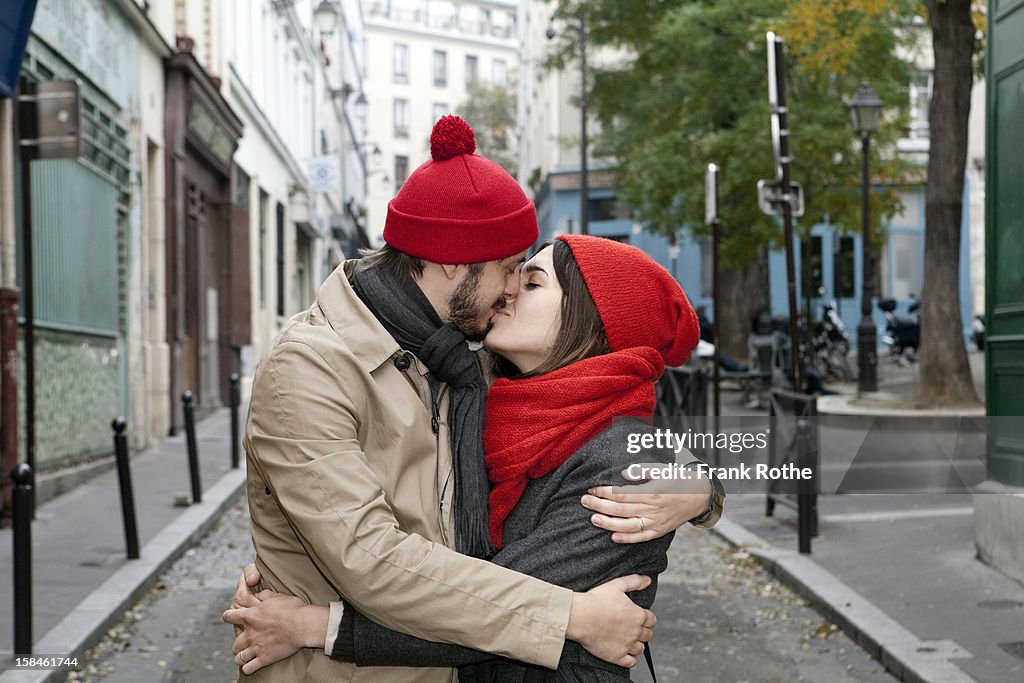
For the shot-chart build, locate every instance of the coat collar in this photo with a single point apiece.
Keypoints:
(351, 320)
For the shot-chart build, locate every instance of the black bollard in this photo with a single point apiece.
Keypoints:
(236, 398)
(193, 454)
(124, 479)
(22, 476)
(805, 492)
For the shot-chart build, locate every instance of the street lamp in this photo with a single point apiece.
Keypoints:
(361, 107)
(326, 17)
(865, 113)
(581, 30)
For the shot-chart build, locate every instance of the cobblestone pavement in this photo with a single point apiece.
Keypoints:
(721, 618)
(175, 632)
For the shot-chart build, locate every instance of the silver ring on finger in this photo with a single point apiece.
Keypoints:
(643, 525)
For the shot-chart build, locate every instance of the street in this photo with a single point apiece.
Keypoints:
(175, 632)
(721, 618)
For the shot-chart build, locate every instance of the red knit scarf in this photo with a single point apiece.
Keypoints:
(533, 425)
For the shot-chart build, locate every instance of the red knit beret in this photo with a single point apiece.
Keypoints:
(639, 302)
(459, 207)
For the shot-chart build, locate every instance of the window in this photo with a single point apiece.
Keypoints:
(440, 68)
(401, 118)
(920, 95)
(279, 244)
(303, 291)
(401, 171)
(608, 209)
(264, 208)
(843, 269)
(907, 264)
(500, 72)
(471, 70)
(810, 266)
(401, 63)
(440, 109)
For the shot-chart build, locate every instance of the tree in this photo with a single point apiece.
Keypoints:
(693, 90)
(945, 375)
(491, 110)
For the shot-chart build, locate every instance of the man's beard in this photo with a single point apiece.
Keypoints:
(464, 309)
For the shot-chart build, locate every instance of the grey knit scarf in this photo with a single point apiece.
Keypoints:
(409, 317)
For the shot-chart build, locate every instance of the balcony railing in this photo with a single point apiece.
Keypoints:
(440, 22)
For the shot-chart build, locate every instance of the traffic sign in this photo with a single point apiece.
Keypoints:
(770, 197)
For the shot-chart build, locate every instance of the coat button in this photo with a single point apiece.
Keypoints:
(402, 362)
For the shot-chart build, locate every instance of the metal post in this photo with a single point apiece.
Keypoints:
(584, 181)
(124, 480)
(808, 456)
(193, 455)
(22, 476)
(711, 218)
(29, 326)
(235, 400)
(867, 360)
(8, 387)
(787, 208)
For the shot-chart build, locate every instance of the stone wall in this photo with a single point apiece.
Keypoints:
(78, 393)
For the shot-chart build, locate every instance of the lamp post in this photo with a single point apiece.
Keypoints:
(865, 113)
(581, 30)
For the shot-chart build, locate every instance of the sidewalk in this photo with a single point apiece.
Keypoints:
(81, 577)
(898, 573)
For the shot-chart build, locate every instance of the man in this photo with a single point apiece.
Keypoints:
(364, 447)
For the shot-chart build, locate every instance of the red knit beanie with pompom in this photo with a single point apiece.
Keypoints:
(460, 207)
(639, 302)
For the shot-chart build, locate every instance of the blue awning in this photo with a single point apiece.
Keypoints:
(15, 22)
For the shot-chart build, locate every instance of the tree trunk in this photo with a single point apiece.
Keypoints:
(945, 375)
(743, 293)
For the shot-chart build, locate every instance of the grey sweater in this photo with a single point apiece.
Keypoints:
(548, 535)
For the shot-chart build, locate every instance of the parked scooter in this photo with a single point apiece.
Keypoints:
(902, 332)
(832, 345)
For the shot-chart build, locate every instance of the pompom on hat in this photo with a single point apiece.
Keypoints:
(639, 302)
(460, 207)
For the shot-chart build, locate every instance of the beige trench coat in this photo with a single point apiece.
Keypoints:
(350, 495)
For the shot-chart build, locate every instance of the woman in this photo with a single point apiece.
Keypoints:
(590, 331)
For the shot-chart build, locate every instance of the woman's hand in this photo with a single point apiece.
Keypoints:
(650, 510)
(277, 627)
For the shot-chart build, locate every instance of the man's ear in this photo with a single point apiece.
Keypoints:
(450, 270)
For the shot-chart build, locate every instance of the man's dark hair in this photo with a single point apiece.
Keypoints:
(401, 265)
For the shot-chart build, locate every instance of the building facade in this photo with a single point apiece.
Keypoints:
(221, 176)
(295, 83)
(85, 225)
(422, 57)
(999, 502)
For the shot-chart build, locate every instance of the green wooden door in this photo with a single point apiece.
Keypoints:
(1004, 240)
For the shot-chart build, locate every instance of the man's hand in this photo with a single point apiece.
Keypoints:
(247, 588)
(650, 510)
(276, 628)
(608, 624)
